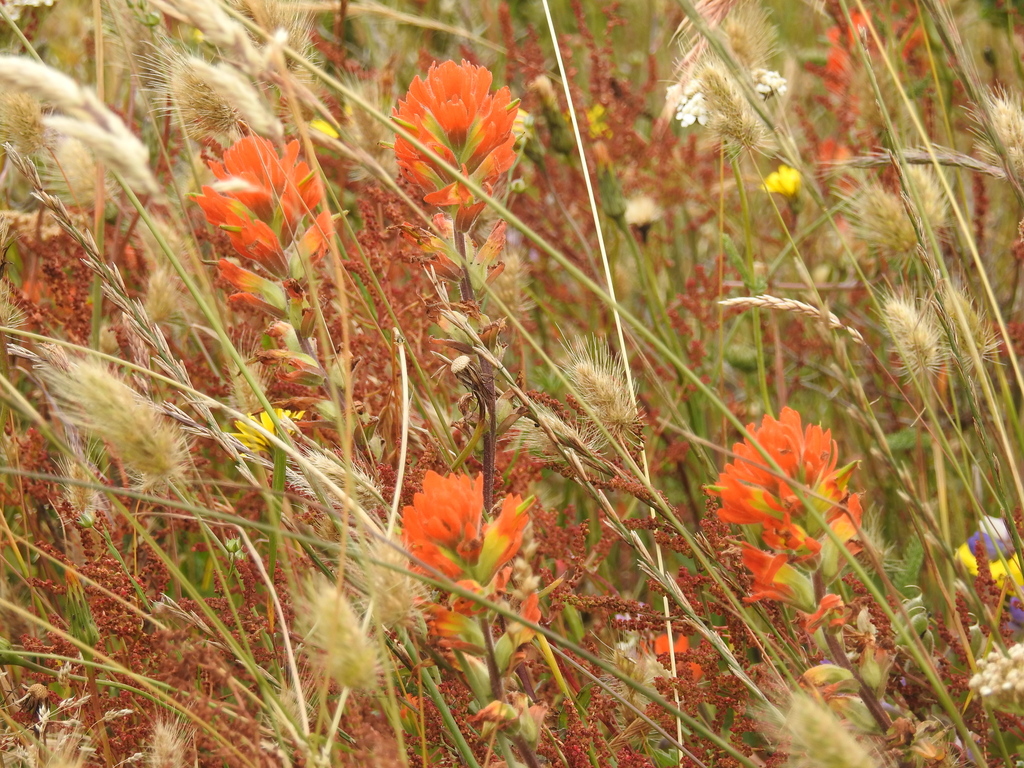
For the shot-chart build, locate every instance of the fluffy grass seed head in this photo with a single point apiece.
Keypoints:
(600, 383)
(365, 490)
(578, 438)
(915, 331)
(642, 212)
(164, 295)
(236, 92)
(640, 667)
(334, 633)
(387, 580)
(364, 132)
(70, 173)
(202, 110)
(976, 327)
(730, 118)
(168, 745)
(11, 315)
(1007, 125)
(510, 286)
(933, 204)
(818, 739)
(285, 15)
(82, 498)
(750, 34)
(21, 122)
(85, 117)
(97, 401)
(128, 158)
(880, 220)
(1000, 679)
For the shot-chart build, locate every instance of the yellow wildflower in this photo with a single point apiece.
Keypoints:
(596, 125)
(785, 181)
(995, 537)
(251, 437)
(323, 127)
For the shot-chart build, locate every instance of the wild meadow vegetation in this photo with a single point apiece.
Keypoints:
(531, 383)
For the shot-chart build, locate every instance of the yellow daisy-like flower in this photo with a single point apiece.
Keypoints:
(785, 181)
(994, 535)
(998, 568)
(251, 437)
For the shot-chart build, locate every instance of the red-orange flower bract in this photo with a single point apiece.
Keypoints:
(265, 199)
(752, 492)
(444, 528)
(454, 114)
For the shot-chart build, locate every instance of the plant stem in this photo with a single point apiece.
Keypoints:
(486, 396)
(838, 653)
(498, 691)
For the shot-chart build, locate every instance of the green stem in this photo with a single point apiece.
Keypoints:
(275, 503)
(755, 314)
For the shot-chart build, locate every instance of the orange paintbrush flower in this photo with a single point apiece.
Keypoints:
(444, 528)
(454, 113)
(260, 200)
(753, 493)
(776, 579)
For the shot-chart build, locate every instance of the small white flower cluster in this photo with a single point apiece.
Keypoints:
(768, 82)
(1000, 679)
(692, 105)
(14, 6)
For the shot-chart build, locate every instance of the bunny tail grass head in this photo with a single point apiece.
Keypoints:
(21, 122)
(932, 203)
(730, 119)
(93, 398)
(70, 173)
(818, 739)
(203, 112)
(335, 637)
(11, 315)
(967, 321)
(388, 582)
(510, 287)
(915, 331)
(881, 221)
(1006, 128)
(750, 34)
(601, 384)
(169, 745)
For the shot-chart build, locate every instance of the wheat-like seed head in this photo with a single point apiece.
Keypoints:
(792, 305)
(86, 118)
